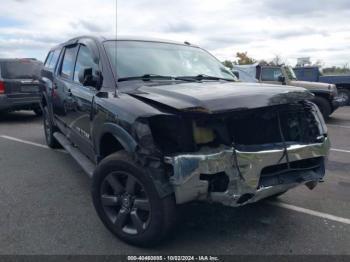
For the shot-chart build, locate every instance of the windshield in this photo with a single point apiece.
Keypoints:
(20, 69)
(290, 73)
(138, 58)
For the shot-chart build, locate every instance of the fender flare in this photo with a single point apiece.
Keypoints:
(320, 92)
(130, 145)
(120, 134)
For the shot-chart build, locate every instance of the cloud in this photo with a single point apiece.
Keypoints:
(264, 28)
(297, 32)
(179, 27)
(305, 8)
(28, 31)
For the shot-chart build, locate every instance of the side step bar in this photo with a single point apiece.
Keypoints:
(82, 160)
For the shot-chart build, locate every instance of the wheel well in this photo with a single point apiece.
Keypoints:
(109, 145)
(343, 86)
(325, 96)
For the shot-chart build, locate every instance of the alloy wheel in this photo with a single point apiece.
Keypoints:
(125, 203)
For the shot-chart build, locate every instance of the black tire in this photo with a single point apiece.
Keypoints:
(323, 105)
(345, 94)
(38, 111)
(132, 209)
(49, 129)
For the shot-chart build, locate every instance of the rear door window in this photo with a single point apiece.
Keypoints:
(270, 74)
(48, 59)
(68, 62)
(20, 69)
(53, 61)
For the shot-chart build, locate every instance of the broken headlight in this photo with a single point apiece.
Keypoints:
(172, 133)
(319, 118)
(202, 135)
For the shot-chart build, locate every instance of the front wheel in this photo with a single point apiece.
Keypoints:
(127, 202)
(345, 95)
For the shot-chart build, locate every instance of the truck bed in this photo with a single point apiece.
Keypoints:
(335, 79)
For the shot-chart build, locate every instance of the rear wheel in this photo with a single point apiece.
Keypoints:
(127, 202)
(345, 95)
(323, 105)
(49, 129)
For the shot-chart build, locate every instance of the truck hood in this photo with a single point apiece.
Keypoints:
(219, 96)
(310, 85)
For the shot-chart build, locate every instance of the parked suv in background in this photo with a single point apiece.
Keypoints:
(19, 85)
(158, 123)
(326, 96)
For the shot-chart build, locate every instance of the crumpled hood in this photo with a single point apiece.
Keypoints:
(220, 96)
(310, 85)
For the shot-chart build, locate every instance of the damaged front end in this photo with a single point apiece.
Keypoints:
(240, 157)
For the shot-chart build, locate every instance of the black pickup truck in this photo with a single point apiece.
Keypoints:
(156, 124)
(19, 84)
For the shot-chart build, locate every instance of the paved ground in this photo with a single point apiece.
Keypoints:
(45, 206)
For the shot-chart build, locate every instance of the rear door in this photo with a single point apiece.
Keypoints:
(20, 77)
(48, 73)
(64, 106)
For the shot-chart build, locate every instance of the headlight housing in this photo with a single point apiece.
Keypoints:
(333, 89)
(172, 133)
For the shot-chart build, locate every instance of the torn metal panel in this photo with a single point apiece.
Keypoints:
(188, 168)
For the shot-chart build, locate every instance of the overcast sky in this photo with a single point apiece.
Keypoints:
(265, 28)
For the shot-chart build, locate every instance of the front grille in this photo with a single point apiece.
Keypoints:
(263, 126)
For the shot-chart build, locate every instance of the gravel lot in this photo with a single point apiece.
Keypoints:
(46, 208)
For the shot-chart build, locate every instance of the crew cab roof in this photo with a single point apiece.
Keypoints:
(101, 39)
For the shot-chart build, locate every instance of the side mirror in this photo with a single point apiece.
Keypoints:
(46, 74)
(89, 77)
(281, 79)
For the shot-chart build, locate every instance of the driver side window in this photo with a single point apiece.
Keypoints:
(84, 60)
(270, 74)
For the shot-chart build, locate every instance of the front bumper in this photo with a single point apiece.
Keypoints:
(337, 102)
(244, 184)
(19, 101)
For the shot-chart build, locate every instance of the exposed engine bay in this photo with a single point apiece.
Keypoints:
(242, 156)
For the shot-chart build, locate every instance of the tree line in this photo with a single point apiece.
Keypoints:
(242, 58)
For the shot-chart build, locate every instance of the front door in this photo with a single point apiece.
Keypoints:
(82, 97)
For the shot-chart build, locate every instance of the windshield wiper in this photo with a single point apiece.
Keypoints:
(202, 77)
(145, 77)
(149, 77)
